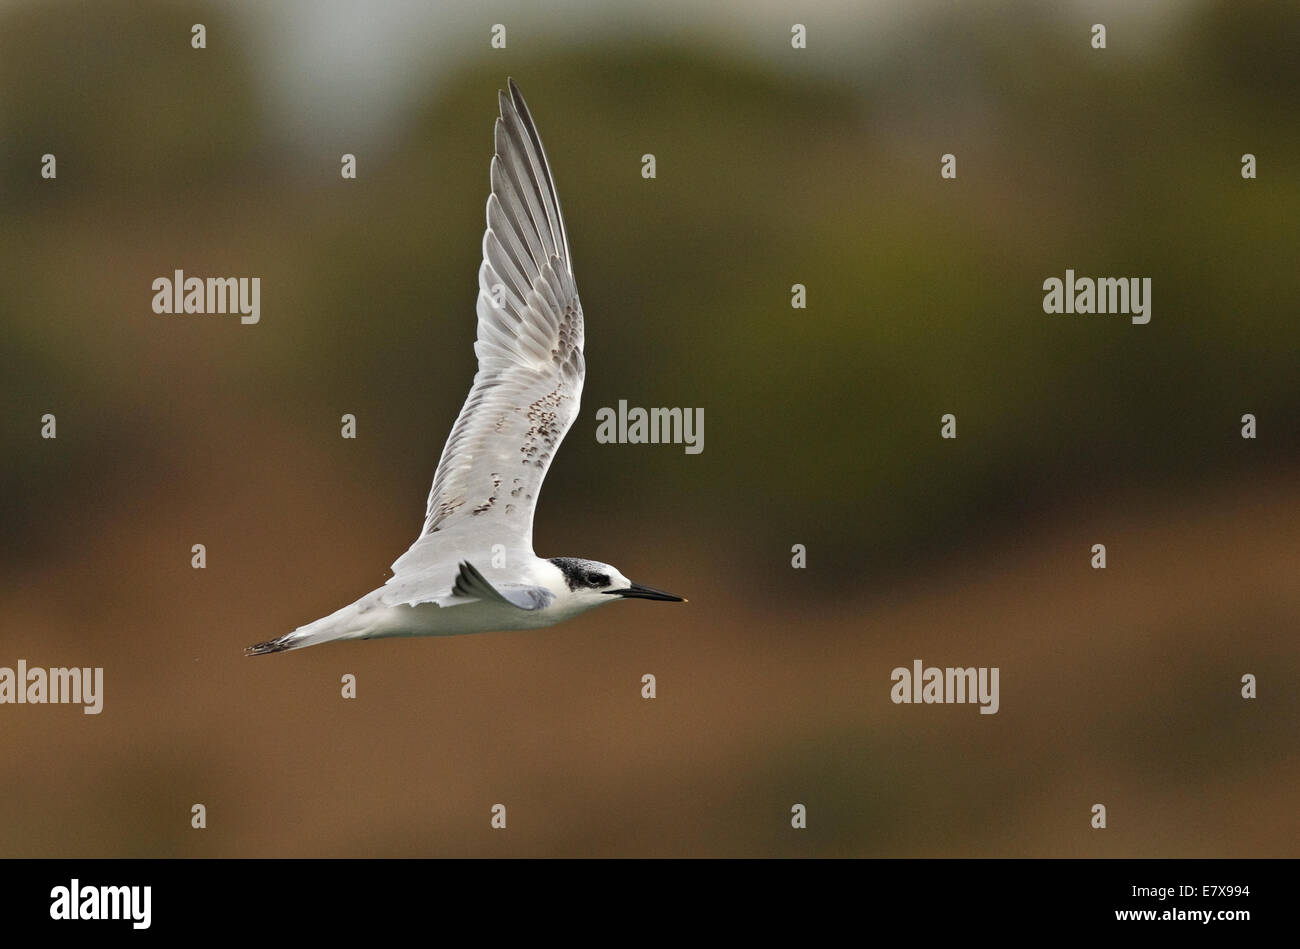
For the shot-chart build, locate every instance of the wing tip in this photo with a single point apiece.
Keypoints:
(516, 96)
(467, 579)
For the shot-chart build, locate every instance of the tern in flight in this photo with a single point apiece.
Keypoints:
(472, 569)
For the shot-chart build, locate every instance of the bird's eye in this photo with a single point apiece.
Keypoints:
(594, 579)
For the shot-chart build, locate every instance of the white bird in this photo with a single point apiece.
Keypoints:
(472, 569)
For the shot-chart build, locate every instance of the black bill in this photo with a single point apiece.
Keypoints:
(646, 593)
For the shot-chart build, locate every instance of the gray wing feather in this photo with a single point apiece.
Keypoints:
(471, 583)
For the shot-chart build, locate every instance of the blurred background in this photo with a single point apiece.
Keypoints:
(775, 166)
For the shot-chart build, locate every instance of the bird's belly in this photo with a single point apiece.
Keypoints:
(429, 619)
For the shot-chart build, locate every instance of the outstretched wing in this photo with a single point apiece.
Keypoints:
(530, 370)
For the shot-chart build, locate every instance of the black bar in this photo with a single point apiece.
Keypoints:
(922, 897)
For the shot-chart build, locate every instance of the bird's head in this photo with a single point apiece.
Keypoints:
(601, 582)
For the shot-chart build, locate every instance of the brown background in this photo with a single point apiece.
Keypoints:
(1118, 686)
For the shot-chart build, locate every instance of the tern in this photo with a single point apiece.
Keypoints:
(472, 569)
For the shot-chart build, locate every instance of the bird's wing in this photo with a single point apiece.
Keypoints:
(472, 584)
(530, 371)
